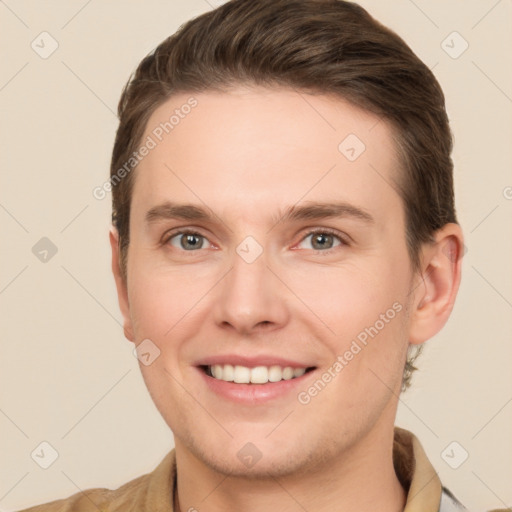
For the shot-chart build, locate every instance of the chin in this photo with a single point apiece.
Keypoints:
(254, 457)
(277, 465)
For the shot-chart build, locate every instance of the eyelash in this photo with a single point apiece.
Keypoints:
(323, 231)
(327, 231)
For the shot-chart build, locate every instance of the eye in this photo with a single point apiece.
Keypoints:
(320, 240)
(187, 240)
(323, 240)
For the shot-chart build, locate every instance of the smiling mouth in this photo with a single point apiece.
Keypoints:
(255, 375)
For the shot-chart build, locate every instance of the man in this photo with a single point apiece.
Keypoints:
(284, 240)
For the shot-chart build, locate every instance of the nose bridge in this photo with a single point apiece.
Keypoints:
(250, 294)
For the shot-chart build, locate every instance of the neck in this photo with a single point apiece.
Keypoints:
(362, 478)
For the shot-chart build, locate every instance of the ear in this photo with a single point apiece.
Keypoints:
(121, 284)
(438, 284)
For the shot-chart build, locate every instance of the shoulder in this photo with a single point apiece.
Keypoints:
(449, 503)
(144, 493)
(96, 500)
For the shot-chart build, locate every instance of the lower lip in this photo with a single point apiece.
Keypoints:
(254, 393)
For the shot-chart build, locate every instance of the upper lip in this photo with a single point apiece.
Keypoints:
(251, 362)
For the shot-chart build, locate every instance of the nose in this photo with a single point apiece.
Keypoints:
(251, 297)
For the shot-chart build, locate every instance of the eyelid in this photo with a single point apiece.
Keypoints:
(166, 237)
(342, 237)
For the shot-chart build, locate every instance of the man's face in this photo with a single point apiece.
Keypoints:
(255, 288)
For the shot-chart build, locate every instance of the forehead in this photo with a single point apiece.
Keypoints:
(249, 151)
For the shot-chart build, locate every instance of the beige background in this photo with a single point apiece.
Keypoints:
(67, 374)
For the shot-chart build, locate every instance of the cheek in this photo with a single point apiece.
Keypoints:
(365, 312)
(351, 297)
(163, 298)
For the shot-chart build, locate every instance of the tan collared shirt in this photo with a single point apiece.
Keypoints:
(154, 492)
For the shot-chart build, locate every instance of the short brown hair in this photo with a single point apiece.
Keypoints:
(314, 46)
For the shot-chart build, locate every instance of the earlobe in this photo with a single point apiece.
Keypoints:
(121, 284)
(435, 295)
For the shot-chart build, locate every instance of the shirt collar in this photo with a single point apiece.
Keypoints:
(415, 472)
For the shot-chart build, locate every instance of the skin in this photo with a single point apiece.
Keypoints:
(247, 154)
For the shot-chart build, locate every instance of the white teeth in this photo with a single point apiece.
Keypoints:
(259, 375)
(217, 371)
(228, 373)
(288, 373)
(242, 375)
(275, 373)
(256, 375)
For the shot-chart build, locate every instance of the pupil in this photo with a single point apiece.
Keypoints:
(190, 241)
(321, 238)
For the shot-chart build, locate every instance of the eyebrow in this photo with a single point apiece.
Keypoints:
(315, 211)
